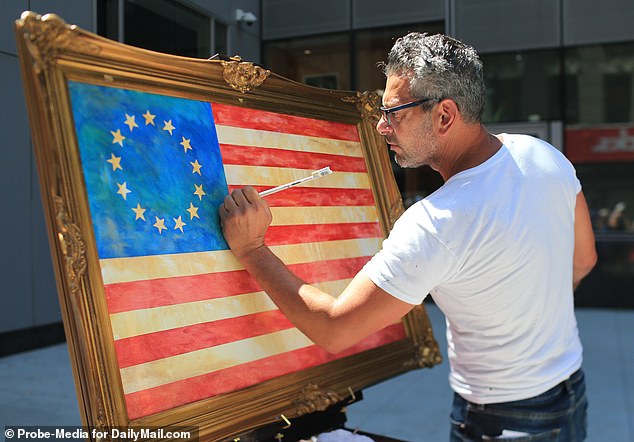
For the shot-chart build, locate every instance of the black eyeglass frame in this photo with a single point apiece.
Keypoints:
(386, 111)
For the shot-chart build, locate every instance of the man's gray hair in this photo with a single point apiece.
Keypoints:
(439, 66)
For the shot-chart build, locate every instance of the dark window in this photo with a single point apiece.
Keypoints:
(618, 97)
(220, 38)
(159, 25)
(599, 83)
(522, 86)
(571, 98)
(108, 19)
(166, 26)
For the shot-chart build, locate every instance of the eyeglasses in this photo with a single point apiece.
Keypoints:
(386, 111)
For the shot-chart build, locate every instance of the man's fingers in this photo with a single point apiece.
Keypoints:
(239, 198)
(250, 194)
(229, 204)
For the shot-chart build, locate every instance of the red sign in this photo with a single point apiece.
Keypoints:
(600, 144)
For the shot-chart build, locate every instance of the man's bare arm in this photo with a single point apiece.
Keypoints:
(585, 253)
(333, 323)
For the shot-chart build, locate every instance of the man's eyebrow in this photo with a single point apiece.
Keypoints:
(391, 103)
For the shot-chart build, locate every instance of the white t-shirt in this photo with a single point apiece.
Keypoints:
(493, 246)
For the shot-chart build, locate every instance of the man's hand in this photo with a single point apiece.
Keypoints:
(244, 217)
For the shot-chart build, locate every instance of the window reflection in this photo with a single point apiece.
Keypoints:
(372, 47)
(602, 76)
(523, 86)
(322, 61)
(347, 60)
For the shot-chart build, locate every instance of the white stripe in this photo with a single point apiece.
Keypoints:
(275, 176)
(152, 320)
(201, 362)
(285, 216)
(117, 270)
(277, 140)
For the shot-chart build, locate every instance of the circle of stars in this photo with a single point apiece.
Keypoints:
(177, 223)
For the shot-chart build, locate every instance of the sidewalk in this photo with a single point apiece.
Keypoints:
(36, 388)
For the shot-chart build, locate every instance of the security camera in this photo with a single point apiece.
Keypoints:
(248, 18)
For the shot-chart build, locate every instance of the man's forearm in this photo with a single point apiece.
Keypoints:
(308, 308)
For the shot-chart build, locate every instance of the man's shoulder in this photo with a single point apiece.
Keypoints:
(518, 141)
(537, 152)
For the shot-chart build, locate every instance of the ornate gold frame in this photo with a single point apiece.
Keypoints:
(52, 53)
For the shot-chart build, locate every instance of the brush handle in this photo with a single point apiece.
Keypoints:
(285, 186)
(322, 172)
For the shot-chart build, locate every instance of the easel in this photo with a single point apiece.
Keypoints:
(304, 427)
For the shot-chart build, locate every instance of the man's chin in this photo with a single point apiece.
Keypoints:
(407, 163)
(403, 162)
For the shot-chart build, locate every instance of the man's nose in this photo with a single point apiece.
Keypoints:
(382, 126)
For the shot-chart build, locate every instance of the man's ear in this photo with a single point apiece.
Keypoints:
(447, 113)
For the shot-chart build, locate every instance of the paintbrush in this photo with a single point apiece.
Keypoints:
(316, 174)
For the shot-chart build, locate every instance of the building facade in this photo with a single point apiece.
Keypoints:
(559, 69)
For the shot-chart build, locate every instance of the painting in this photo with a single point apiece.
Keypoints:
(136, 150)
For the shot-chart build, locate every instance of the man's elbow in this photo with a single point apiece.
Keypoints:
(589, 261)
(335, 340)
(584, 265)
(333, 345)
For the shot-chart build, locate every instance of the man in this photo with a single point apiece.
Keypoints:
(499, 246)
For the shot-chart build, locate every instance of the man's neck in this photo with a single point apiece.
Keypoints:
(468, 148)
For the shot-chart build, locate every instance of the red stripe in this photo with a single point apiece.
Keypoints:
(306, 233)
(306, 196)
(136, 295)
(258, 156)
(152, 346)
(165, 397)
(227, 115)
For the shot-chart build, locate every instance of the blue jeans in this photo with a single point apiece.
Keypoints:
(559, 414)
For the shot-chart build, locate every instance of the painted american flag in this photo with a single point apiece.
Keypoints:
(188, 322)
